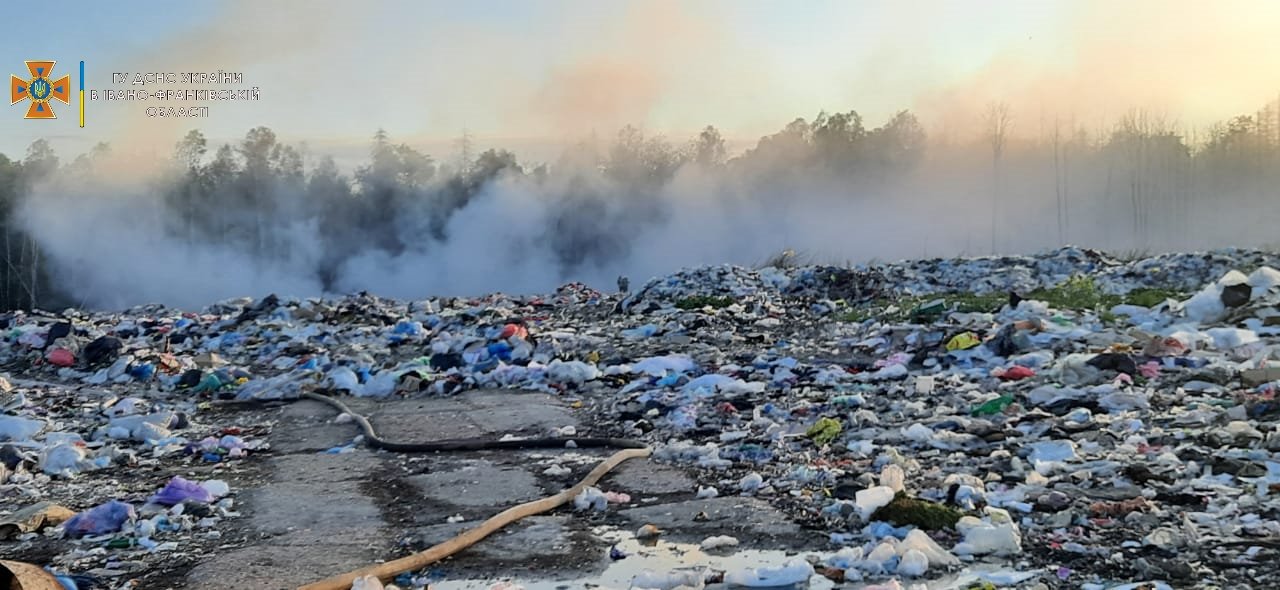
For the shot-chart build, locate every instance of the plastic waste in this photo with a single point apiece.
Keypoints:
(667, 580)
(1052, 451)
(708, 384)
(61, 357)
(103, 350)
(729, 370)
(367, 583)
(640, 333)
(661, 365)
(617, 497)
(216, 488)
(591, 499)
(824, 431)
(997, 535)
(914, 563)
(890, 585)
(64, 459)
(924, 385)
(100, 520)
(871, 499)
(994, 406)
(893, 477)
(381, 384)
(576, 372)
(718, 541)
(794, 571)
(918, 540)
(1014, 373)
(344, 379)
(963, 341)
(180, 490)
(144, 428)
(13, 428)
(1007, 578)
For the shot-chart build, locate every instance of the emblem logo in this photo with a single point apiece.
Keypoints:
(40, 89)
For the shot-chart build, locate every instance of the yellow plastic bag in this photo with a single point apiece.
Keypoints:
(963, 341)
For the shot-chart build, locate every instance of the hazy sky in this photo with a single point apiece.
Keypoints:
(524, 72)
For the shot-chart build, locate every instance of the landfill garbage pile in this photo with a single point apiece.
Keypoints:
(1064, 420)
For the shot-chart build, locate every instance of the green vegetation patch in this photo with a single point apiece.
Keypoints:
(1152, 296)
(923, 307)
(1076, 293)
(701, 301)
(905, 510)
(1081, 293)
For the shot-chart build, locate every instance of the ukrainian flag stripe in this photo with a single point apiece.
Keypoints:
(82, 94)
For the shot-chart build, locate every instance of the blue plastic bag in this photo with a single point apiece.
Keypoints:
(100, 520)
(500, 350)
(143, 371)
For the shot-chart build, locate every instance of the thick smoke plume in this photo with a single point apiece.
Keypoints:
(252, 218)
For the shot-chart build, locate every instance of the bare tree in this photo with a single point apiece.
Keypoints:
(1060, 180)
(999, 121)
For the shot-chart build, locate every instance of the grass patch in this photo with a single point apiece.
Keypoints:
(701, 301)
(905, 510)
(882, 308)
(1152, 296)
(1081, 293)
(1076, 293)
(975, 303)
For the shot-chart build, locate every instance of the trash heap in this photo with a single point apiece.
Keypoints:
(1064, 420)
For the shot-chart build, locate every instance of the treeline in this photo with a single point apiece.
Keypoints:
(1141, 183)
(24, 275)
(1144, 183)
(258, 196)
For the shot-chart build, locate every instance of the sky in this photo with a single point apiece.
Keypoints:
(537, 74)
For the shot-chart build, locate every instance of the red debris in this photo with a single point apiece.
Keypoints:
(61, 357)
(510, 330)
(1017, 372)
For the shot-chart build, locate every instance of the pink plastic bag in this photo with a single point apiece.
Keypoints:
(61, 357)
